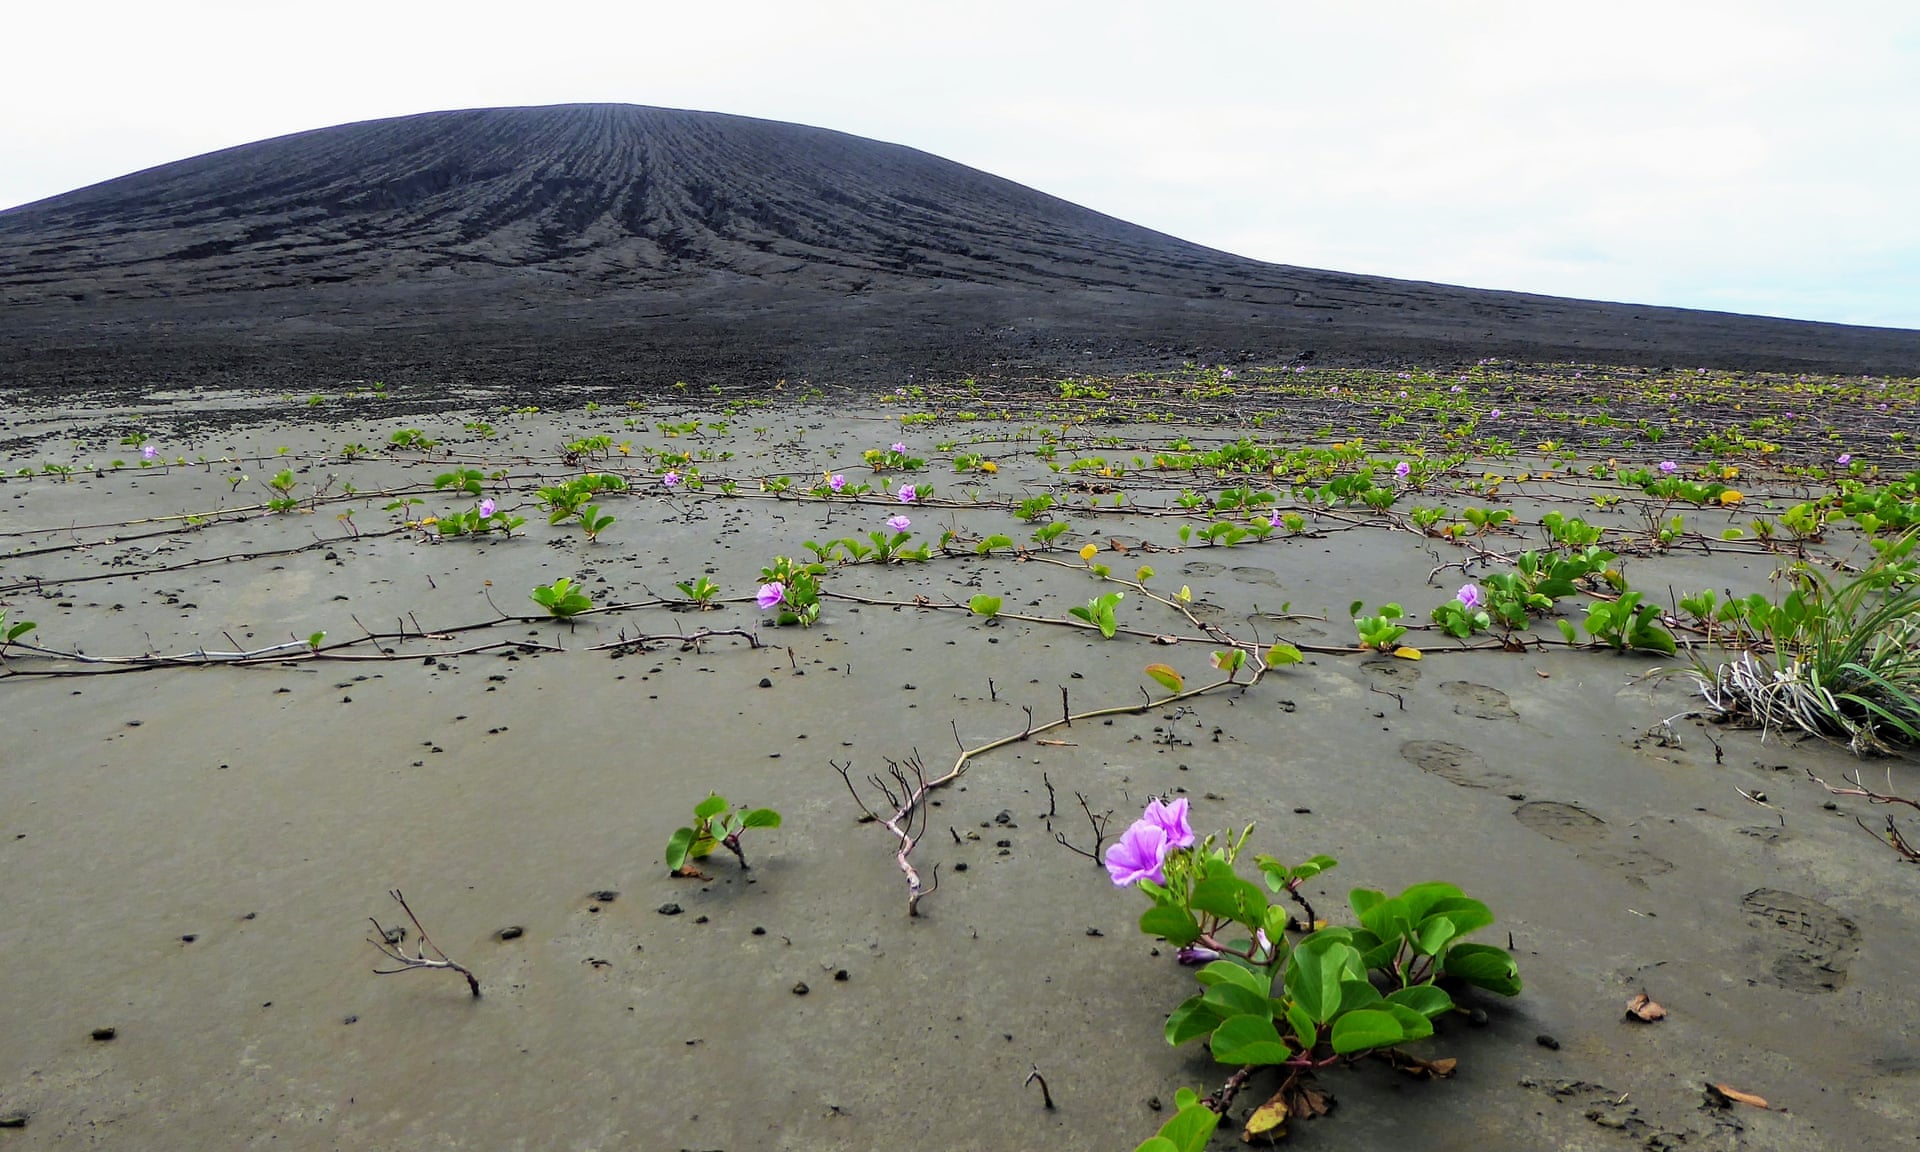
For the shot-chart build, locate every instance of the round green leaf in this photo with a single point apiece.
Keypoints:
(1368, 1028)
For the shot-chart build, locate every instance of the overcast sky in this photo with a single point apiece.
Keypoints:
(1750, 156)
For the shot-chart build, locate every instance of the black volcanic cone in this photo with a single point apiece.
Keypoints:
(627, 244)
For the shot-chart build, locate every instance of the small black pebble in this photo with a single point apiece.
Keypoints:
(510, 932)
(1095, 932)
(1003, 843)
(604, 895)
(351, 1020)
(13, 1120)
(189, 938)
(1153, 1102)
(669, 909)
(1516, 795)
(842, 976)
(801, 989)
(1547, 1042)
(766, 682)
(1303, 811)
(700, 920)
(1477, 1017)
(759, 931)
(105, 1033)
(960, 867)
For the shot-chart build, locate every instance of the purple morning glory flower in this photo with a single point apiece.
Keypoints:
(1138, 854)
(1194, 954)
(1469, 597)
(1226, 373)
(1171, 819)
(1274, 521)
(899, 447)
(486, 508)
(899, 523)
(1457, 388)
(1668, 467)
(1844, 459)
(1401, 469)
(770, 594)
(148, 452)
(907, 494)
(836, 482)
(671, 479)
(1494, 415)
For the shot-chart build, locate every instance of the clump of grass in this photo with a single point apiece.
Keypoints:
(1837, 659)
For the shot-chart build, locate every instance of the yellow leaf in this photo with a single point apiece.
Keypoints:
(429, 521)
(1089, 551)
(1729, 472)
(1268, 1120)
(1171, 680)
(1407, 653)
(1185, 595)
(1730, 497)
(989, 466)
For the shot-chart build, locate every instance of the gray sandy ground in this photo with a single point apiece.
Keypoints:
(189, 856)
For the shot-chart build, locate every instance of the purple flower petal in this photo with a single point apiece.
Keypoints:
(1170, 819)
(770, 594)
(1137, 855)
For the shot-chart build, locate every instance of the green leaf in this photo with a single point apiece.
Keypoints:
(1468, 915)
(1415, 1025)
(1229, 1000)
(1249, 1040)
(1313, 979)
(1177, 925)
(1433, 935)
(1484, 966)
(1303, 1026)
(1229, 896)
(984, 605)
(1357, 994)
(1194, 1017)
(1425, 999)
(677, 845)
(712, 806)
(1190, 1128)
(1359, 1031)
(760, 818)
(1161, 1143)
(1229, 972)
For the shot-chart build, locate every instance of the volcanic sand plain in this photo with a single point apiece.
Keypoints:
(193, 839)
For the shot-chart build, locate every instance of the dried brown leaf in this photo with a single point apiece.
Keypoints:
(1417, 1068)
(1643, 1007)
(1725, 1095)
(1306, 1100)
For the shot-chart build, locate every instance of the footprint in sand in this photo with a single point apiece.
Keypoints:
(1454, 764)
(1813, 945)
(1201, 568)
(1591, 838)
(1247, 574)
(1392, 674)
(1479, 701)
